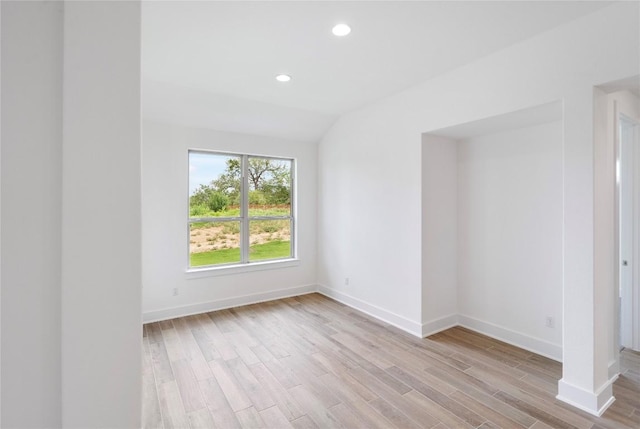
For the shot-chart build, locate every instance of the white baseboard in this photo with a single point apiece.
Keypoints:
(535, 345)
(595, 403)
(386, 316)
(221, 304)
(438, 325)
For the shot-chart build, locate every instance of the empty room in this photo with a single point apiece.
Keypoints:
(318, 214)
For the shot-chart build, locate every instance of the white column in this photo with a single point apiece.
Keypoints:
(31, 212)
(101, 228)
(585, 382)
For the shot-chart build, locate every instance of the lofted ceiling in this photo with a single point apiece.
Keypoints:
(213, 63)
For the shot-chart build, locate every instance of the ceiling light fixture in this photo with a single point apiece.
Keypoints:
(283, 78)
(341, 30)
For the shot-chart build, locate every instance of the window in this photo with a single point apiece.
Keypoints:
(240, 209)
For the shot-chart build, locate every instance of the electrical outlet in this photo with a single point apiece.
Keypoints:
(346, 281)
(175, 291)
(549, 323)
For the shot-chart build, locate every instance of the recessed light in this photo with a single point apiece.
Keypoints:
(283, 78)
(341, 30)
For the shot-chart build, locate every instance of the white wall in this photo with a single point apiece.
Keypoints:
(101, 227)
(510, 235)
(0, 216)
(31, 213)
(369, 217)
(439, 233)
(370, 168)
(164, 219)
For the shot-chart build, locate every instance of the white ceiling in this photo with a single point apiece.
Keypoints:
(230, 52)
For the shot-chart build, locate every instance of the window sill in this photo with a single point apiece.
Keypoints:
(198, 273)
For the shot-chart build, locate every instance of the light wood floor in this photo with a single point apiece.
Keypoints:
(310, 362)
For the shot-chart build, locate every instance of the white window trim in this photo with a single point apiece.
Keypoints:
(225, 270)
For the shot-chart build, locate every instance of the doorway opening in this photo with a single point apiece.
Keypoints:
(628, 207)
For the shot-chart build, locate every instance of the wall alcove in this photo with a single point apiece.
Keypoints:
(492, 204)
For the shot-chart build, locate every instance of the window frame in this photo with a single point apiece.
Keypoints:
(244, 219)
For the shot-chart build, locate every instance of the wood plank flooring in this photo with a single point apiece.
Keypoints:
(310, 362)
